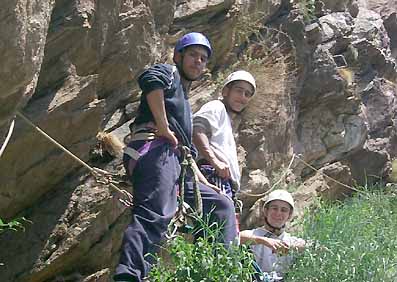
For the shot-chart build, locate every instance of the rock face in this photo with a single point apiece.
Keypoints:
(23, 35)
(342, 120)
(387, 9)
(325, 105)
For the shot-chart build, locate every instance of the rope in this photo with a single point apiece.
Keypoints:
(187, 163)
(3, 147)
(275, 184)
(198, 202)
(329, 177)
(100, 175)
(104, 177)
(286, 172)
(182, 215)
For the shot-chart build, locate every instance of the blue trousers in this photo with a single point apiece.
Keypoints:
(155, 178)
(210, 174)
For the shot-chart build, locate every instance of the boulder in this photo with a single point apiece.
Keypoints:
(23, 35)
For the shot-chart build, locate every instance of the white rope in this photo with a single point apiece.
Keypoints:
(275, 184)
(329, 177)
(3, 147)
(286, 172)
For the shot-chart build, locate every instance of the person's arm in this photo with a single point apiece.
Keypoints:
(298, 244)
(202, 178)
(247, 237)
(200, 139)
(155, 101)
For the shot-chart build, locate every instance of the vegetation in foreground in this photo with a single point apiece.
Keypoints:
(354, 241)
(351, 241)
(13, 225)
(204, 260)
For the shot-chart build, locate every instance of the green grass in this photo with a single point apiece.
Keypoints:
(354, 241)
(206, 260)
(351, 241)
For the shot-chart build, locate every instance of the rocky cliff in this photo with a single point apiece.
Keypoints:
(326, 106)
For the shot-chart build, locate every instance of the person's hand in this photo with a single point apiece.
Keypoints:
(276, 245)
(222, 169)
(299, 244)
(167, 133)
(212, 186)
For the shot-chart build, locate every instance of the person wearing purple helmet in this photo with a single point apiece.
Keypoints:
(152, 164)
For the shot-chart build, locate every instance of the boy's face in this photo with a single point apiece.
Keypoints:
(277, 213)
(194, 60)
(237, 94)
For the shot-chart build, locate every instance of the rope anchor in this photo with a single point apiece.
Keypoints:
(101, 176)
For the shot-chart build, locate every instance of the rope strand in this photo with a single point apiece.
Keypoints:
(329, 177)
(10, 131)
(275, 184)
(286, 172)
(96, 172)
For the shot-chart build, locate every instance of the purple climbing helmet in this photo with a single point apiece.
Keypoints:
(193, 38)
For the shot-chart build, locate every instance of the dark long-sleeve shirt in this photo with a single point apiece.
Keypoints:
(177, 107)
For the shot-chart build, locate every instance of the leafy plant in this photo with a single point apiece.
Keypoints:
(307, 8)
(14, 225)
(204, 260)
(354, 241)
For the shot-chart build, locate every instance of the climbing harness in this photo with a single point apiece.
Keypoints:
(101, 176)
(185, 214)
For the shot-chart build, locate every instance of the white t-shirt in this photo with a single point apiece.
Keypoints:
(269, 261)
(215, 120)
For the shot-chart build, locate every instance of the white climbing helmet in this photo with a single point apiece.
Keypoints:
(281, 195)
(241, 75)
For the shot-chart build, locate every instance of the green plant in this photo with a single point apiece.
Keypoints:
(354, 241)
(14, 225)
(307, 9)
(204, 260)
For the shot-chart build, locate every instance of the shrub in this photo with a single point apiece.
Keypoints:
(204, 260)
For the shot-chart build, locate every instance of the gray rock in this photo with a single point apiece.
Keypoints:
(23, 37)
(336, 25)
(391, 27)
(308, 102)
(337, 5)
(32, 164)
